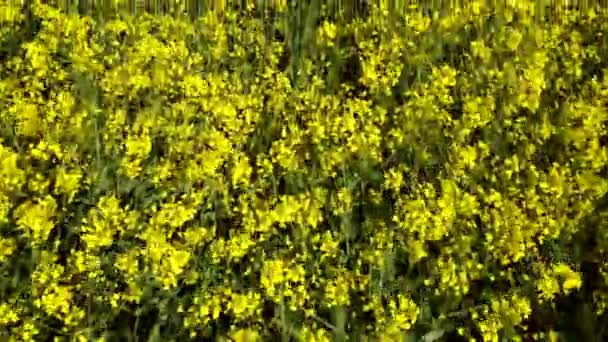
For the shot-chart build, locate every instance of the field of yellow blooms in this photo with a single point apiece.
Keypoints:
(398, 176)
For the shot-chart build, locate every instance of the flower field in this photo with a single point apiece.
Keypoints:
(395, 175)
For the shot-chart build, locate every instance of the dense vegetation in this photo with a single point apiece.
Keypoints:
(388, 174)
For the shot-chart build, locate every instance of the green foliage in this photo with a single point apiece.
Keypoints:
(397, 175)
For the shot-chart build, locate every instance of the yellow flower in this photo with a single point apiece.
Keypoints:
(327, 33)
(8, 314)
(572, 282)
(138, 146)
(418, 250)
(11, 175)
(571, 279)
(7, 247)
(37, 218)
(548, 287)
(67, 183)
(245, 335)
(241, 172)
(513, 39)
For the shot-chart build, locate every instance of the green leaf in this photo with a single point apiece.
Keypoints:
(155, 334)
(433, 335)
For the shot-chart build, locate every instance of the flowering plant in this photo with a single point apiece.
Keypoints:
(417, 175)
